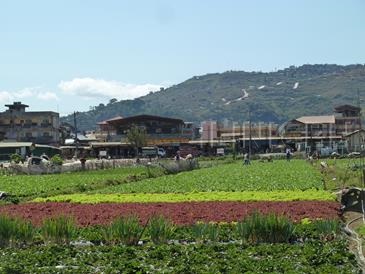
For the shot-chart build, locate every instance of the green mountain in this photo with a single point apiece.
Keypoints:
(272, 97)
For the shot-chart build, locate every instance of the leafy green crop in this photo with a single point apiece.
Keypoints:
(45, 185)
(312, 257)
(246, 196)
(279, 175)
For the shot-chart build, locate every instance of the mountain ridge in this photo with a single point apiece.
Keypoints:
(271, 96)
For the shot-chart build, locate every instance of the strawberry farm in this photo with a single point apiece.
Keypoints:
(220, 218)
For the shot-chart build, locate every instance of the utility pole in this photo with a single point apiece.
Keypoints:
(359, 106)
(250, 133)
(75, 140)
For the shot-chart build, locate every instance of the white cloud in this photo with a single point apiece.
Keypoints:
(5, 96)
(47, 96)
(32, 92)
(99, 88)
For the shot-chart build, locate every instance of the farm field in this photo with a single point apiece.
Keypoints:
(221, 193)
(279, 175)
(343, 173)
(180, 213)
(24, 186)
(315, 257)
(245, 196)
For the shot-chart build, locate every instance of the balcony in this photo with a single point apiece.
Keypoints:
(45, 125)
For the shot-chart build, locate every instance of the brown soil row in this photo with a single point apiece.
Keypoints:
(180, 213)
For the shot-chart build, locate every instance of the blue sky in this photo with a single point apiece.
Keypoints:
(71, 54)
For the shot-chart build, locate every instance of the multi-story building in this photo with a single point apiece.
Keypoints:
(41, 127)
(159, 130)
(319, 132)
(311, 126)
(345, 120)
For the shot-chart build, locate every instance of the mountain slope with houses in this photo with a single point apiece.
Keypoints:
(271, 96)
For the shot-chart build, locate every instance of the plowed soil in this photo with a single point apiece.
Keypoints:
(179, 213)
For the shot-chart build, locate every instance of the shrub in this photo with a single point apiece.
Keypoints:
(271, 228)
(160, 229)
(15, 158)
(59, 230)
(57, 160)
(126, 230)
(180, 166)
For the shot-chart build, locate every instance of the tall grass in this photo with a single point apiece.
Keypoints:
(327, 229)
(13, 231)
(59, 230)
(205, 231)
(258, 228)
(160, 229)
(125, 230)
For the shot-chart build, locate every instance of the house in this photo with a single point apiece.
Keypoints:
(41, 127)
(310, 126)
(355, 140)
(347, 119)
(25, 149)
(323, 132)
(160, 130)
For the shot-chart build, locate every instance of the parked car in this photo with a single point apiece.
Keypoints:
(161, 152)
(153, 152)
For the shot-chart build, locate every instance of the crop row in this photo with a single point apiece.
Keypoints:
(312, 257)
(38, 185)
(279, 175)
(179, 213)
(246, 196)
(128, 230)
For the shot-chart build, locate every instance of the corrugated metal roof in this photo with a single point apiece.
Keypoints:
(23, 144)
(108, 144)
(328, 119)
(354, 132)
(143, 117)
(105, 122)
(15, 144)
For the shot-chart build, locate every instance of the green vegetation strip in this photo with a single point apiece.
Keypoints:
(47, 185)
(246, 196)
(312, 257)
(279, 175)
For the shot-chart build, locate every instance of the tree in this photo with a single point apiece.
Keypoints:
(112, 101)
(137, 137)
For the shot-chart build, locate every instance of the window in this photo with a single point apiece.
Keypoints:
(46, 134)
(28, 134)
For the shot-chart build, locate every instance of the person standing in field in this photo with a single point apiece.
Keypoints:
(246, 159)
(288, 154)
(178, 156)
